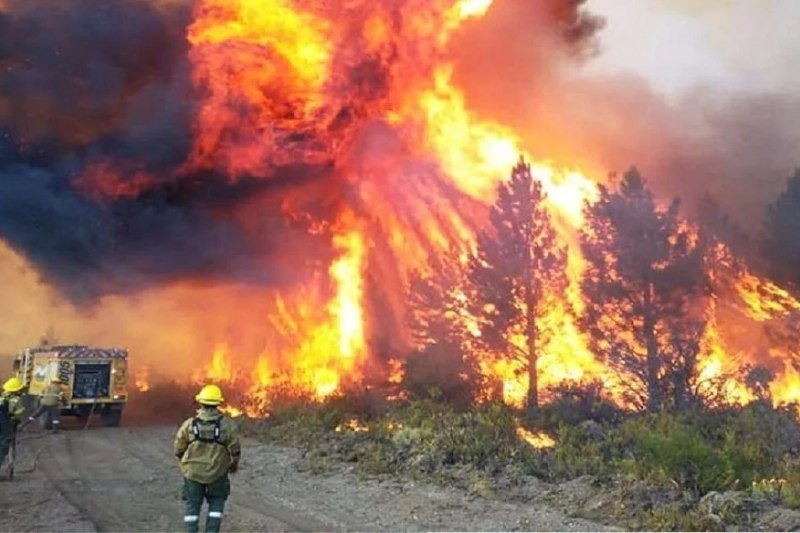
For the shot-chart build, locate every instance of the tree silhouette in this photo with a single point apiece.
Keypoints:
(518, 267)
(781, 246)
(644, 287)
(437, 320)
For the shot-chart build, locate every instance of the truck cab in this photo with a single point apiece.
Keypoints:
(94, 378)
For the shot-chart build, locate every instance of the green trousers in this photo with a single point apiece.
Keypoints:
(5, 445)
(214, 493)
(49, 416)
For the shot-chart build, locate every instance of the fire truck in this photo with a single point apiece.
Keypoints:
(93, 378)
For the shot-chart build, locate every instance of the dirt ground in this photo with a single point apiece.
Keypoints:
(125, 479)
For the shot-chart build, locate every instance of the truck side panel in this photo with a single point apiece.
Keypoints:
(45, 367)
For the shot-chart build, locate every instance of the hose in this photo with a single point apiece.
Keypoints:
(91, 414)
(47, 444)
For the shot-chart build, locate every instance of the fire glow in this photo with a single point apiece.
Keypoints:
(396, 166)
(229, 41)
(278, 60)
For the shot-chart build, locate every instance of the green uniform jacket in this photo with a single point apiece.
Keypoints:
(15, 408)
(206, 462)
(52, 395)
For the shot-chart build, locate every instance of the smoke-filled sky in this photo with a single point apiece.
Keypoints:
(96, 96)
(679, 44)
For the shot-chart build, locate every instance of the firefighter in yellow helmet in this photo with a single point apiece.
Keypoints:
(11, 413)
(207, 446)
(50, 403)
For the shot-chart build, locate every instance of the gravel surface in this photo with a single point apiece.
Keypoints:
(125, 479)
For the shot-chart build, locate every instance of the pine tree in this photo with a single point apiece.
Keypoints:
(644, 286)
(781, 246)
(436, 320)
(518, 267)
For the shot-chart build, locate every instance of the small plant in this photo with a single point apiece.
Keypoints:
(677, 517)
(778, 490)
(694, 470)
(683, 456)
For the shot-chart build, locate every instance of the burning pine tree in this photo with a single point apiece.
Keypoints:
(646, 292)
(517, 274)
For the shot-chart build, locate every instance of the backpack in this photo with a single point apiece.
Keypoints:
(206, 434)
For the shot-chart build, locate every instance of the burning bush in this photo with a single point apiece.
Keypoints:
(421, 438)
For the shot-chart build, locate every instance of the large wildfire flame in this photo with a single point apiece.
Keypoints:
(368, 95)
(278, 59)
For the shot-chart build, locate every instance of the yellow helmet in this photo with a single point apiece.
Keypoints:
(13, 385)
(210, 395)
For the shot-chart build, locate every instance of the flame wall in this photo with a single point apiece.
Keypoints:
(240, 188)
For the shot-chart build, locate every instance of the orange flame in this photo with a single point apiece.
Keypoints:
(272, 75)
(538, 439)
(142, 381)
(231, 411)
(396, 372)
(221, 367)
(352, 425)
(254, 52)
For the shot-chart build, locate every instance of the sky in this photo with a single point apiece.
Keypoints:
(741, 45)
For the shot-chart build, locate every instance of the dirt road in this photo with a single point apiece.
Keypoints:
(125, 479)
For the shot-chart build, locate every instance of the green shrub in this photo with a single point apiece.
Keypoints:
(435, 436)
(784, 489)
(689, 453)
(299, 424)
(575, 403)
(790, 489)
(676, 517)
(746, 460)
(680, 455)
(576, 453)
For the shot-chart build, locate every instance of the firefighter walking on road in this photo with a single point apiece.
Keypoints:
(207, 446)
(11, 413)
(50, 405)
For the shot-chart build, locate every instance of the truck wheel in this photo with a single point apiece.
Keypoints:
(112, 418)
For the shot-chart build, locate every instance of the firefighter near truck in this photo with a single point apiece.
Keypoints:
(93, 379)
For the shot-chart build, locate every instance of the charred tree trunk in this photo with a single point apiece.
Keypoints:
(532, 296)
(533, 358)
(681, 389)
(531, 330)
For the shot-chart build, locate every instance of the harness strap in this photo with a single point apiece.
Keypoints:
(201, 438)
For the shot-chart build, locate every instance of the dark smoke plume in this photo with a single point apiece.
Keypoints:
(99, 92)
(96, 111)
(91, 82)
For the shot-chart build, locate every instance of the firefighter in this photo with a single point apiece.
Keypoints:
(11, 413)
(207, 448)
(50, 404)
